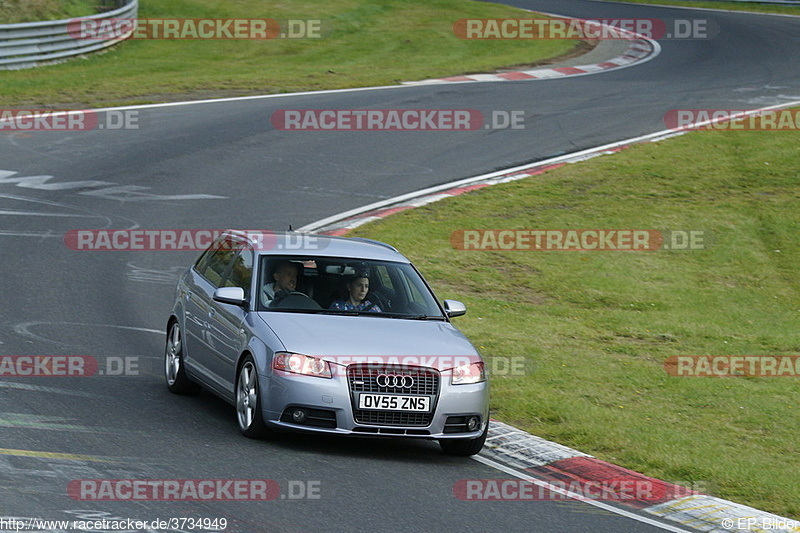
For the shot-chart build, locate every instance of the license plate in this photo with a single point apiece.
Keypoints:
(390, 402)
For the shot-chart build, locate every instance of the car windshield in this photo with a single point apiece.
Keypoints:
(333, 285)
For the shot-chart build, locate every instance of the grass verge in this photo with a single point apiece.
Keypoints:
(371, 43)
(594, 328)
(17, 11)
(730, 6)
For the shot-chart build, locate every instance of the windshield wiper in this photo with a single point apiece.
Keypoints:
(342, 312)
(417, 317)
(291, 310)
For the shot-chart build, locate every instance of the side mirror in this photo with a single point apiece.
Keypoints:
(454, 308)
(230, 295)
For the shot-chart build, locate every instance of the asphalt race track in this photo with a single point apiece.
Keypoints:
(219, 165)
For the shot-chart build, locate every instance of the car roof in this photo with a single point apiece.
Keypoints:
(294, 243)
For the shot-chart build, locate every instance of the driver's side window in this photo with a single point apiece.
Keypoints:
(213, 264)
(241, 273)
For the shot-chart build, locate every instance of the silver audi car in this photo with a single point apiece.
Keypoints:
(328, 335)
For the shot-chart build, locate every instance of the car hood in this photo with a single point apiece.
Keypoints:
(354, 339)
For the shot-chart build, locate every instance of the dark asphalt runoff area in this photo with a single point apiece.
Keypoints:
(220, 165)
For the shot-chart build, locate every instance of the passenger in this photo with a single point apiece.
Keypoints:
(357, 289)
(285, 283)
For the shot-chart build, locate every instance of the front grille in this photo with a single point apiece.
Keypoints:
(393, 418)
(390, 431)
(364, 378)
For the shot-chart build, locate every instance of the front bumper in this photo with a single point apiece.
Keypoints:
(330, 404)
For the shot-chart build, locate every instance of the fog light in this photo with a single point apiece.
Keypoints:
(472, 423)
(299, 416)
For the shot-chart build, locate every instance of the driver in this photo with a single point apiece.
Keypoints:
(285, 276)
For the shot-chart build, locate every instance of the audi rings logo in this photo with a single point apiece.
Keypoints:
(394, 381)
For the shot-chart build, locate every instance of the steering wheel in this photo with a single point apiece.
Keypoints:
(294, 300)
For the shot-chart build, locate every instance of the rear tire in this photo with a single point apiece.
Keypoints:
(464, 447)
(248, 401)
(174, 372)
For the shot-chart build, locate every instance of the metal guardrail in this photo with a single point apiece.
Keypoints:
(31, 44)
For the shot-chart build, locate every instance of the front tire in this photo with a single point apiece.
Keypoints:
(464, 447)
(248, 401)
(174, 372)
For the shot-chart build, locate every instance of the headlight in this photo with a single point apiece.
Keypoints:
(472, 373)
(301, 364)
